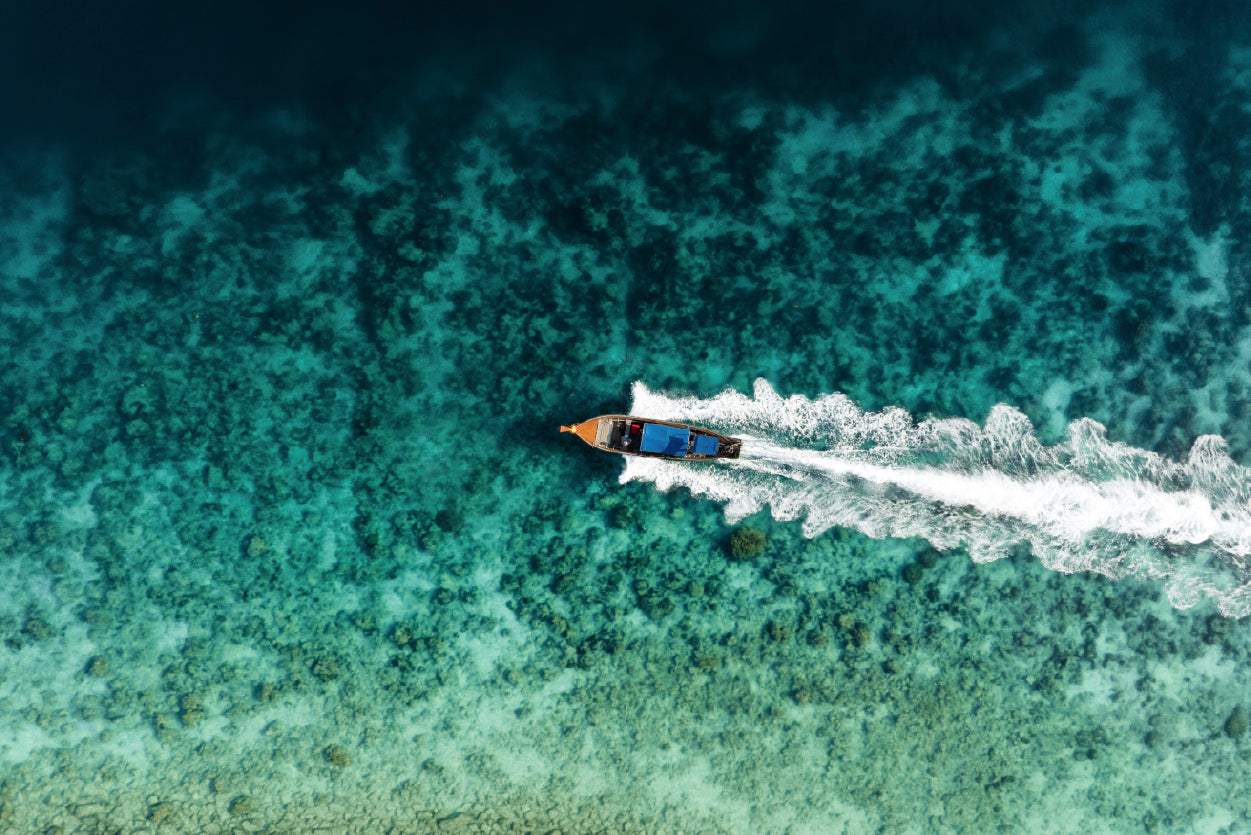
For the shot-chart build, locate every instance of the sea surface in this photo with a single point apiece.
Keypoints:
(294, 298)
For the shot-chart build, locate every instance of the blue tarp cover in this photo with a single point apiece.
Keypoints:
(705, 445)
(667, 440)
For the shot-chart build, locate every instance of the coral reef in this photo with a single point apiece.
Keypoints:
(290, 543)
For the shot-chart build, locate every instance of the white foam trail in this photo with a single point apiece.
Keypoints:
(1085, 504)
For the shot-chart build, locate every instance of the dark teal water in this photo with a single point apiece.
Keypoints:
(295, 301)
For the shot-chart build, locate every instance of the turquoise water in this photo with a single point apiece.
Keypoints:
(290, 542)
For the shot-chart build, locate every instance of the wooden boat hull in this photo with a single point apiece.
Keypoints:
(650, 438)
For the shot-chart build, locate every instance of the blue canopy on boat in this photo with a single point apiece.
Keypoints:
(666, 440)
(705, 445)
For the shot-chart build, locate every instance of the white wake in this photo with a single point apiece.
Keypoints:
(1085, 504)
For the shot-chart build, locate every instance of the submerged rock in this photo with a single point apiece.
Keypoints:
(337, 755)
(747, 543)
(1236, 723)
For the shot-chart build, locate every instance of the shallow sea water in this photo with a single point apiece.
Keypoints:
(289, 541)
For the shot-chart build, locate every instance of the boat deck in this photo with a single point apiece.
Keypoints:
(652, 438)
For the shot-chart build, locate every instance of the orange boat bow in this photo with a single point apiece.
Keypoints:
(585, 430)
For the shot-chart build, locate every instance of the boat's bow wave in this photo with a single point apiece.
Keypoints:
(1085, 504)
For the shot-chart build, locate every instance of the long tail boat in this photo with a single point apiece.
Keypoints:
(655, 438)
